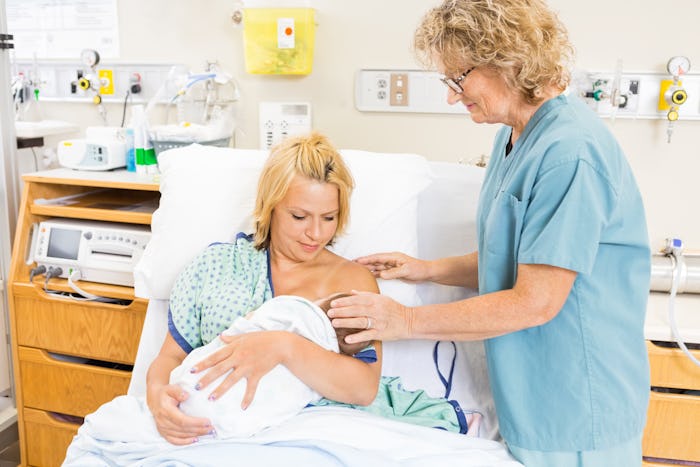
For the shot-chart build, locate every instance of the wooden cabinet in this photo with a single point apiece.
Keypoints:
(71, 356)
(673, 420)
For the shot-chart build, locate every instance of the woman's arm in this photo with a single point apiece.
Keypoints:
(335, 376)
(252, 355)
(163, 398)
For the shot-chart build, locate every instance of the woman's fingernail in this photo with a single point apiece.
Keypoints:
(212, 397)
(193, 369)
(195, 440)
(198, 386)
(212, 432)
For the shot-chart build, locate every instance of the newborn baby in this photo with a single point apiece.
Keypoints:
(271, 405)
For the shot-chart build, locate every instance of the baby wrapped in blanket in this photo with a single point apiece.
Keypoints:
(280, 394)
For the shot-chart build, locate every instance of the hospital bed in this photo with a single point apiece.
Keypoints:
(401, 202)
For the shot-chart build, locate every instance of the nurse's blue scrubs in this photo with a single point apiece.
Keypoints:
(565, 196)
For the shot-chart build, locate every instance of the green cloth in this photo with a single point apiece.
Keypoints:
(416, 407)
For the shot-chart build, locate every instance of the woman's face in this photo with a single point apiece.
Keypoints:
(487, 97)
(305, 220)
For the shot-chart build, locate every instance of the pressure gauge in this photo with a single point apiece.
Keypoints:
(90, 57)
(678, 65)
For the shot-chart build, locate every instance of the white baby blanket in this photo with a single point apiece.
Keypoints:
(279, 395)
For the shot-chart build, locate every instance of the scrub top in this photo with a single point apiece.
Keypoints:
(565, 196)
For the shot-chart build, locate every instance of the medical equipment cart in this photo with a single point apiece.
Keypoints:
(69, 355)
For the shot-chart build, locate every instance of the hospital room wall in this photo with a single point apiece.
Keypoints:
(377, 34)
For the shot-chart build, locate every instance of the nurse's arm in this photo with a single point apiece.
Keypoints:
(461, 271)
(539, 293)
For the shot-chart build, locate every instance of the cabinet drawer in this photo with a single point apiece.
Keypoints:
(671, 368)
(47, 438)
(70, 388)
(85, 329)
(672, 430)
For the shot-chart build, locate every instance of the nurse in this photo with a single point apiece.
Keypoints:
(563, 260)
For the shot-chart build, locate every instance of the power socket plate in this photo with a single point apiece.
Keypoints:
(402, 91)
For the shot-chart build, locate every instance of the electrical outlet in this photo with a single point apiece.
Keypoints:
(372, 89)
(402, 91)
(398, 90)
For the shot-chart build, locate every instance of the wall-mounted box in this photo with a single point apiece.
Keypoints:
(278, 40)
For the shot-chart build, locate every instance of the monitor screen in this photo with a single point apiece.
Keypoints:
(64, 243)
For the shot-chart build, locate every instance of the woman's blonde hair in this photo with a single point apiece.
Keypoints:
(312, 156)
(522, 39)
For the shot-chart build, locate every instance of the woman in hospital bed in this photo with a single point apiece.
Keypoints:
(302, 204)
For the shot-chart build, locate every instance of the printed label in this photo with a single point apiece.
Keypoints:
(285, 33)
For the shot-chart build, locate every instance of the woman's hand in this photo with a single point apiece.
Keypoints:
(250, 356)
(176, 427)
(380, 316)
(396, 266)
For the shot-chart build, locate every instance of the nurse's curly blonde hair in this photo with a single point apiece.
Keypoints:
(312, 156)
(522, 39)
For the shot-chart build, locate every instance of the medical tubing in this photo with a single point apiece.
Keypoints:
(126, 99)
(672, 311)
(75, 276)
(193, 79)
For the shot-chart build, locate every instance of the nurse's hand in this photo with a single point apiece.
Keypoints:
(250, 356)
(395, 266)
(380, 316)
(176, 427)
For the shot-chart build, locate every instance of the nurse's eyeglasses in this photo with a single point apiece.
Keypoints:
(454, 84)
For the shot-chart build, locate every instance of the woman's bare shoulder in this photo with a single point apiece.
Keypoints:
(350, 275)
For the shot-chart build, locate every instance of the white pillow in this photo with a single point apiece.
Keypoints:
(208, 195)
(447, 212)
(384, 211)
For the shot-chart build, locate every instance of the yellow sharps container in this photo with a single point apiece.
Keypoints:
(278, 38)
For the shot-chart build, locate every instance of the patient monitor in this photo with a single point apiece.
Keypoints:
(103, 252)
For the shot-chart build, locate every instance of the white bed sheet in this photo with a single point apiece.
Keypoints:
(120, 434)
